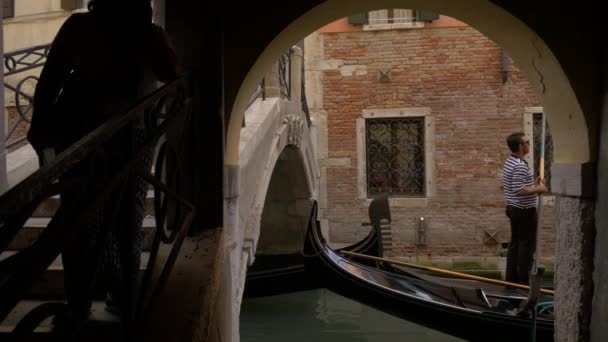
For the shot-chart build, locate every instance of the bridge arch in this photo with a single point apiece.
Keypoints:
(278, 174)
(567, 101)
(569, 125)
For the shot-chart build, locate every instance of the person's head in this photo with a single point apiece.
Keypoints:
(136, 10)
(518, 143)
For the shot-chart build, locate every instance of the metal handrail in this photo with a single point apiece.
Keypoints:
(166, 109)
(20, 60)
(16, 62)
(285, 74)
(284, 65)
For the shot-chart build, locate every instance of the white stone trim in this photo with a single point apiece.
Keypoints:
(429, 149)
(548, 200)
(396, 112)
(529, 132)
(361, 160)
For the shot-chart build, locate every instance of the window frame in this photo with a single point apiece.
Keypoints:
(375, 23)
(529, 112)
(11, 8)
(429, 147)
(393, 192)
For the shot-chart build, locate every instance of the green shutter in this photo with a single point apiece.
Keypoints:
(427, 16)
(358, 19)
(8, 8)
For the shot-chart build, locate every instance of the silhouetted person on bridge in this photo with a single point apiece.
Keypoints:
(100, 63)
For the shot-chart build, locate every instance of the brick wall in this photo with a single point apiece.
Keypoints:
(457, 73)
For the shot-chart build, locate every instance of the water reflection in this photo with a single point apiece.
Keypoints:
(322, 316)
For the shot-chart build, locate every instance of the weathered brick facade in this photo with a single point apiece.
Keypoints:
(456, 72)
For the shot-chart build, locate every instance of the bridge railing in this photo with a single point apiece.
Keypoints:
(22, 88)
(166, 109)
(283, 79)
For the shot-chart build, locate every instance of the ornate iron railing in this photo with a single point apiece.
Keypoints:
(285, 74)
(284, 66)
(167, 109)
(16, 62)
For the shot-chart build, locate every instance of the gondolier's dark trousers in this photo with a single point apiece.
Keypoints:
(523, 243)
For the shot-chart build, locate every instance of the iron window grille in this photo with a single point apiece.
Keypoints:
(395, 157)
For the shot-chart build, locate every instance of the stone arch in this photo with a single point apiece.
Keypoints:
(529, 52)
(568, 104)
(277, 148)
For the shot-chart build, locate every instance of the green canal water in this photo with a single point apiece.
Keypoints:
(322, 316)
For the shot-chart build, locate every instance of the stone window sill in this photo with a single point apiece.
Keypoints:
(421, 202)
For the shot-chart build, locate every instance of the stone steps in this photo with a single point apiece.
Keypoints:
(36, 225)
(50, 285)
(50, 205)
(102, 326)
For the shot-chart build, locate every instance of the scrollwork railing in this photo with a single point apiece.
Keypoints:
(285, 74)
(165, 110)
(17, 62)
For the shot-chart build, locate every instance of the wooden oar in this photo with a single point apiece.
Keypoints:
(446, 272)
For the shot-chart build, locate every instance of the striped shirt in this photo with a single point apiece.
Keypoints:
(516, 176)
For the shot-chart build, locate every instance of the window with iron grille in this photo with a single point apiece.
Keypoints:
(8, 8)
(395, 156)
(537, 121)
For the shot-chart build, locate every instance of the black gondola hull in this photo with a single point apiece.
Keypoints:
(286, 273)
(354, 281)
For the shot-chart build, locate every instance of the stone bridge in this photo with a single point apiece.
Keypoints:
(278, 177)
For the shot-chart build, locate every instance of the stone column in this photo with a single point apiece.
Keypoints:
(295, 76)
(313, 60)
(187, 307)
(3, 175)
(574, 185)
(599, 316)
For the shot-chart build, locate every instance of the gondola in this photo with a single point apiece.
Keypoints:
(475, 313)
(285, 273)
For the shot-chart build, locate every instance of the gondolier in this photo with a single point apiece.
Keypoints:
(520, 194)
